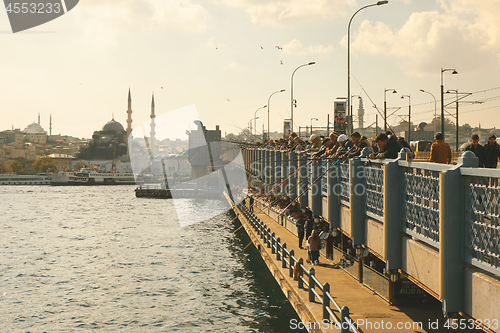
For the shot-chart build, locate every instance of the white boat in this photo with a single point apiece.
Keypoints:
(91, 176)
(40, 179)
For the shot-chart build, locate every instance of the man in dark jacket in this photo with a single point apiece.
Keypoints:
(300, 230)
(360, 142)
(492, 152)
(477, 149)
(309, 226)
(389, 147)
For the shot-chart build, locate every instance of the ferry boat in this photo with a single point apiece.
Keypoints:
(40, 179)
(91, 176)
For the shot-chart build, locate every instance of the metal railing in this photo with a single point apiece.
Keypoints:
(305, 277)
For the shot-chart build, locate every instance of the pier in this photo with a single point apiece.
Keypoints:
(433, 226)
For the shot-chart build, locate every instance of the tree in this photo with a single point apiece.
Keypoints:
(79, 165)
(449, 126)
(16, 167)
(4, 169)
(44, 164)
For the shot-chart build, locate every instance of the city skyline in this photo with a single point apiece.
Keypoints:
(228, 57)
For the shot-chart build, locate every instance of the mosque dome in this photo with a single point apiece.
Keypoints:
(35, 128)
(495, 132)
(26, 138)
(113, 125)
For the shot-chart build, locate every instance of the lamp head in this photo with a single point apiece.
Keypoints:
(282, 90)
(311, 63)
(422, 90)
(382, 2)
(454, 72)
(394, 92)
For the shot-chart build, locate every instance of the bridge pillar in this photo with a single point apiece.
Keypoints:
(357, 199)
(333, 198)
(278, 167)
(452, 235)
(303, 180)
(316, 188)
(392, 215)
(293, 181)
(284, 172)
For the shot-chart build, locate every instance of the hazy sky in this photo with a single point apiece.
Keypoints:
(79, 67)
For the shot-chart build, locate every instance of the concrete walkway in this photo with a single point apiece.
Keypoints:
(371, 312)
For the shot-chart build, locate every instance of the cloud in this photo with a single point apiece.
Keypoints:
(296, 47)
(464, 35)
(293, 47)
(279, 12)
(320, 49)
(234, 66)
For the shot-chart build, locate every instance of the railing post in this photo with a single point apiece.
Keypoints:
(392, 215)
(452, 235)
(293, 181)
(273, 242)
(357, 198)
(269, 237)
(303, 180)
(283, 256)
(316, 189)
(326, 301)
(333, 199)
(344, 314)
(268, 170)
(278, 249)
(292, 263)
(301, 273)
(311, 285)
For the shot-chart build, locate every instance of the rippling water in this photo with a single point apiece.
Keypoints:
(97, 258)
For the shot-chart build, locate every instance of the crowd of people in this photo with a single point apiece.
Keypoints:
(385, 145)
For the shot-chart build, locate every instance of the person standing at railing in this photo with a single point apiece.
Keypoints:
(251, 201)
(300, 230)
(440, 151)
(309, 226)
(360, 142)
(313, 243)
(477, 149)
(342, 148)
(492, 152)
(315, 144)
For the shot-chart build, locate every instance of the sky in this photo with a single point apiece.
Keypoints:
(221, 56)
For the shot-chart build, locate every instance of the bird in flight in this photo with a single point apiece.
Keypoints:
(161, 87)
(281, 62)
(261, 47)
(228, 100)
(279, 48)
(216, 48)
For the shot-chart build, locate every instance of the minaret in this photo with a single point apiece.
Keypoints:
(50, 125)
(361, 113)
(38, 118)
(129, 112)
(152, 134)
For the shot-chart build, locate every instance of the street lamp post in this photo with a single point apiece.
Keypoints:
(385, 105)
(409, 116)
(442, 95)
(291, 92)
(312, 124)
(435, 103)
(456, 115)
(268, 107)
(349, 55)
(255, 119)
(352, 96)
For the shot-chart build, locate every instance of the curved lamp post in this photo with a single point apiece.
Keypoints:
(291, 92)
(442, 95)
(385, 105)
(435, 103)
(349, 57)
(312, 124)
(268, 107)
(255, 119)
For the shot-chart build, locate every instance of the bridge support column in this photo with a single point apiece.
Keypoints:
(303, 180)
(293, 181)
(284, 172)
(316, 188)
(392, 215)
(452, 235)
(333, 198)
(357, 198)
(278, 167)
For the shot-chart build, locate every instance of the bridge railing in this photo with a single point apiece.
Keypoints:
(453, 209)
(304, 276)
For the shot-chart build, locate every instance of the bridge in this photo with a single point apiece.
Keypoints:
(437, 225)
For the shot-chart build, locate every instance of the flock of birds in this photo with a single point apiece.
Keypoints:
(261, 47)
